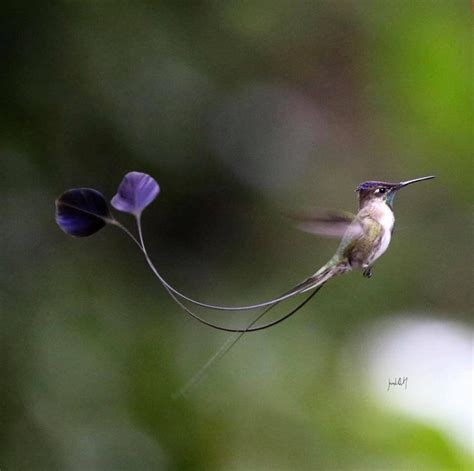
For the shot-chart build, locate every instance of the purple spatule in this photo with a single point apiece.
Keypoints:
(136, 191)
(81, 212)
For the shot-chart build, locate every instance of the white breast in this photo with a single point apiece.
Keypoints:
(385, 217)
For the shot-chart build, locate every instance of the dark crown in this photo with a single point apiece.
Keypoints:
(372, 185)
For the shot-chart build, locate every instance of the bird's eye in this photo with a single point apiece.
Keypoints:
(380, 190)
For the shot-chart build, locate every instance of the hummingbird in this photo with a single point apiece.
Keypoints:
(364, 237)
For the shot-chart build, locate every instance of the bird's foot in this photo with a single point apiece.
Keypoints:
(368, 272)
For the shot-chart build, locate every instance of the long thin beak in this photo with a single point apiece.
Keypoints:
(409, 182)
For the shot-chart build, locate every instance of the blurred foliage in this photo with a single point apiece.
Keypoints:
(241, 111)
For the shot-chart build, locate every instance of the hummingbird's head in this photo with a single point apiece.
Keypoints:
(384, 191)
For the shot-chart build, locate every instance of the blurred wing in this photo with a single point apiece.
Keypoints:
(330, 224)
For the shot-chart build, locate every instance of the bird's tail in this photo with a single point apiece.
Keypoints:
(333, 268)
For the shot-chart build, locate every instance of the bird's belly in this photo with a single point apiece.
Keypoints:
(375, 225)
(382, 247)
(366, 250)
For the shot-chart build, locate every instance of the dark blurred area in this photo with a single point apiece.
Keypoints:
(243, 112)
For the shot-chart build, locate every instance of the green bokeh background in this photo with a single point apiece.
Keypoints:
(242, 111)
